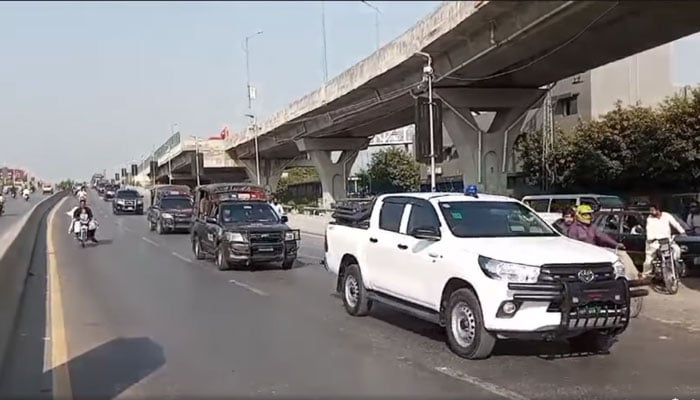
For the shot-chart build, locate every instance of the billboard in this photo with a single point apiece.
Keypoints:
(421, 140)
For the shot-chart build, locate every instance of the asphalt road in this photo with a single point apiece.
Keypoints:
(143, 319)
(15, 209)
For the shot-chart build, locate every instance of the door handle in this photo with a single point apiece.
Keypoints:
(402, 246)
(433, 255)
(373, 240)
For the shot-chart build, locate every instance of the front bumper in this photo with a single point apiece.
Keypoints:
(138, 208)
(562, 309)
(176, 224)
(262, 252)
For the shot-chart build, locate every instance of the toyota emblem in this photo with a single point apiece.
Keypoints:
(586, 275)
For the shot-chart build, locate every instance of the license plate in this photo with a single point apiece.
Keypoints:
(696, 261)
(266, 249)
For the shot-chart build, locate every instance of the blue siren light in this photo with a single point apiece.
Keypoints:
(471, 190)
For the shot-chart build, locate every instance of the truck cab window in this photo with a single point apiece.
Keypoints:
(422, 216)
(390, 216)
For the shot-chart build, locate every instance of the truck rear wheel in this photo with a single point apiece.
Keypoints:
(466, 334)
(355, 297)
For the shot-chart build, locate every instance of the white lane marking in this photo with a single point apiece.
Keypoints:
(495, 389)
(247, 286)
(181, 257)
(147, 240)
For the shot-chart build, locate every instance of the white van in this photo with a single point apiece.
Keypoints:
(551, 206)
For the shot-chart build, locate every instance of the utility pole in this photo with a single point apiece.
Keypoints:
(325, 49)
(196, 157)
(170, 170)
(377, 11)
(247, 68)
(253, 125)
(428, 78)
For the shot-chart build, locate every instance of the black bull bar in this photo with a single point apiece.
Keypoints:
(594, 305)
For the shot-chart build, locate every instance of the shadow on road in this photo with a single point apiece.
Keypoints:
(529, 348)
(111, 368)
(102, 372)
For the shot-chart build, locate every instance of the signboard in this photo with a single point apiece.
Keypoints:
(422, 134)
(154, 168)
(134, 170)
(116, 176)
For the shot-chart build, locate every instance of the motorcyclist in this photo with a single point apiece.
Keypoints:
(83, 209)
(583, 229)
(568, 217)
(25, 192)
(82, 194)
(658, 226)
(2, 202)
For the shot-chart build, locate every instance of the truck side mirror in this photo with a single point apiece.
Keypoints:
(431, 233)
(284, 219)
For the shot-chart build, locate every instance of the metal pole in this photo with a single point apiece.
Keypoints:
(247, 72)
(257, 152)
(323, 34)
(196, 157)
(428, 76)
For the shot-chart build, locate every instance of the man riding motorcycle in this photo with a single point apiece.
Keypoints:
(2, 203)
(658, 226)
(582, 229)
(77, 212)
(568, 217)
(25, 193)
(82, 194)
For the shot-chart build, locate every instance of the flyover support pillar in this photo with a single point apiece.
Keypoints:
(334, 175)
(484, 146)
(270, 172)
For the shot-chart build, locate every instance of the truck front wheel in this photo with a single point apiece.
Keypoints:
(466, 334)
(354, 293)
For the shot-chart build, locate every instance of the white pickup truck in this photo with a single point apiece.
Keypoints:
(485, 267)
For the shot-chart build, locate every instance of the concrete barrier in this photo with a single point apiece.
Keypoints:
(16, 252)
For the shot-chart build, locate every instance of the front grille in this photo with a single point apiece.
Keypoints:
(569, 272)
(597, 315)
(265, 237)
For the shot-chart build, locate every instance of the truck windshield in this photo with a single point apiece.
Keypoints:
(176, 203)
(493, 219)
(127, 194)
(248, 212)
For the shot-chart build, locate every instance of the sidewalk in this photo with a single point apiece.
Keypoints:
(309, 224)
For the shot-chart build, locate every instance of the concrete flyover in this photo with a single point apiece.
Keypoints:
(490, 56)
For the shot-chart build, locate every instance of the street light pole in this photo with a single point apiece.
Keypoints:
(170, 169)
(196, 157)
(377, 11)
(254, 126)
(428, 77)
(250, 105)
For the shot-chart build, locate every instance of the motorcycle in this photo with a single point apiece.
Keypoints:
(82, 227)
(2, 205)
(14, 195)
(666, 268)
(26, 197)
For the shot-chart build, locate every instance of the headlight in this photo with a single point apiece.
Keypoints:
(139, 201)
(508, 271)
(619, 269)
(166, 216)
(120, 201)
(293, 235)
(234, 237)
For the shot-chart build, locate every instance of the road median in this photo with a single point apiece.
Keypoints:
(16, 252)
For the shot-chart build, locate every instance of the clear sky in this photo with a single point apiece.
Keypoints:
(86, 86)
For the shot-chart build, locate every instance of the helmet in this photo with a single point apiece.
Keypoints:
(584, 213)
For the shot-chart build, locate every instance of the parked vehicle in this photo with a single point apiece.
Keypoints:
(170, 210)
(484, 267)
(235, 224)
(550, 206)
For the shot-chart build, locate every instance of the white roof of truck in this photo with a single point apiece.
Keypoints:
(451, 196)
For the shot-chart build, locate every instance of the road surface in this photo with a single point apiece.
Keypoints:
(16, 208)
(137, 317)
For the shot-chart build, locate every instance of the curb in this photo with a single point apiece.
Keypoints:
(15, 260)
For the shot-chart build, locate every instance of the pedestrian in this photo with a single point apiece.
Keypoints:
(693, 219)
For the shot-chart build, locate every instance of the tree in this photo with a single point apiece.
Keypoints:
(391, 170)
(629, 149)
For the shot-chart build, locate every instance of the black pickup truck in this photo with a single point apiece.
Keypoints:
(170, 210)
(241, 232)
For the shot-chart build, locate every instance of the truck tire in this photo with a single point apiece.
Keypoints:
(355, 297)
(159, 227)
(288, 263)
(595, 342)
(197, 248)
(220, 260)
(466, 334)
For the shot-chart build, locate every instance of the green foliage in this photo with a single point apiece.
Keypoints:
(295, 176)
(628, 149)
(66, 184)
(391, 170)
